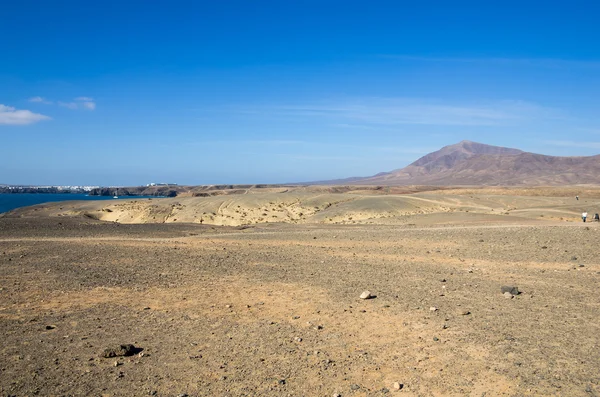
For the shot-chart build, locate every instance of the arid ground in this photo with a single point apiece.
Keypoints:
(257, 294)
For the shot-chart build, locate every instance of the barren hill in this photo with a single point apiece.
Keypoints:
(472, 163)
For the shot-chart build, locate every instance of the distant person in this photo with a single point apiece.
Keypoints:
(597, 217)
(584, 216)
(577, 198)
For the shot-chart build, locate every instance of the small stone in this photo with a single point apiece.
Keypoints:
(465, 313)
(336, 395)
(281, 381)
(228, 306)
(436, 339)
(508, 295)
(581, 265)
(116, 363)
(573, 258)
(508, 288)
(49, 327)
(297, 339)
(397, 386)
(433, 309)
(354, 387)
(122, 350)
(366, 295)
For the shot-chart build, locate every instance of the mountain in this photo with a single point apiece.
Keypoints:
(472, 163)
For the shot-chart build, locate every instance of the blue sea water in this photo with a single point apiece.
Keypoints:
(10, 201)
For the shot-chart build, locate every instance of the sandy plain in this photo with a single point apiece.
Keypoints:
(223, 300)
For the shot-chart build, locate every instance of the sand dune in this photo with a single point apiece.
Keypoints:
(321, 205)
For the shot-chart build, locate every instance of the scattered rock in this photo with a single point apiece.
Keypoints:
(49, 327)
(581, 265)
(366, 295)
(433, 309)
(297, 339)
(122, 350)
(436, 339)
(397, 386)
(465, 313)
(511, 289)
(281, 381)
(354, 387)
(508, 295)
(573, 258)
(336, 395)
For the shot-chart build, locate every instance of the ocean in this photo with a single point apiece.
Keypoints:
(10, 201)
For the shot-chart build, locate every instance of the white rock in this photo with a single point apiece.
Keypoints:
(433, 309)
(365, 295)
(508, 295)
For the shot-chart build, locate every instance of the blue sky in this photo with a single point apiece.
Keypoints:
(132, 92)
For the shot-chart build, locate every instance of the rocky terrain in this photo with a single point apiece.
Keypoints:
(462, 301)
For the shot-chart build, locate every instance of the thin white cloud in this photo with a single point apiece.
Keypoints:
(82, 102)
(89, 105)
(368, 112)
(576, 144)
(68, 105)
(537, 62)
(39, 99)
(11, 116)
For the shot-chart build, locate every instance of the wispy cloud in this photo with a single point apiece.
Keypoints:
(89, 105)
(81, 102)
(576, 144)
(536, 62)
(11, 116)
(68, 105)
(39, 99)
(365, 113)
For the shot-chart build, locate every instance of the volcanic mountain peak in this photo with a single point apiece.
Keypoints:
(447, 156)
(472, 163)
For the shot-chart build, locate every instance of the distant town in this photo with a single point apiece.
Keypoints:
(76, 189)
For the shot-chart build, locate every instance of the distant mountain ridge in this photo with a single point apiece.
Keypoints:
(473, 163)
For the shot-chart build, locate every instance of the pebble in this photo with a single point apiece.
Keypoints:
(354, 387)
(513, 290)
(433, 309)
(508, 295)
(397, 386)
(297, 339)
(465, 313)
(366, 295)
(436, 339)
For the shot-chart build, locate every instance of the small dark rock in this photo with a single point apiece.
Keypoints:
(354, 387)
(121, 351)
(511, 289)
